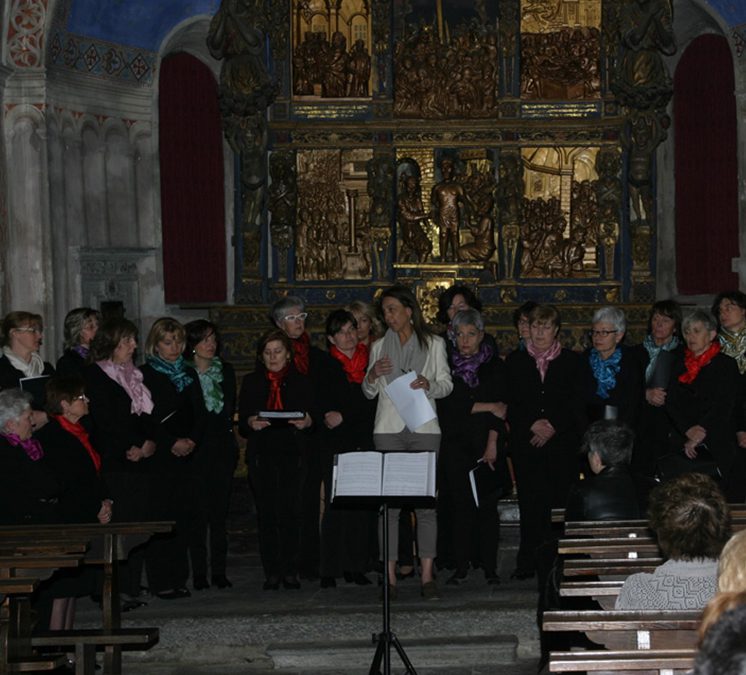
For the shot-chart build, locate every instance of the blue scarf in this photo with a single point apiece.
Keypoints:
(654, 351)
(174, 369)
(466, 367)
(605, 371)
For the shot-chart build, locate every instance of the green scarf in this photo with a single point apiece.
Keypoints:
(210, 381)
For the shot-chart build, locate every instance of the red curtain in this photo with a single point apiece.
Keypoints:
(706, 168)
(192, 195)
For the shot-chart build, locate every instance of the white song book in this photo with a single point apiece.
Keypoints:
(388, 474)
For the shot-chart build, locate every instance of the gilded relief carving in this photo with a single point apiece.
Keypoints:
(510, 190)
(414, 246)
(331, 49)
(333, 236)
(281, 203)
(380, 187)
(440, 78)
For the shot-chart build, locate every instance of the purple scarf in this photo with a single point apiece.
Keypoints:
(466, 367)
(30, 446)
(130, 379)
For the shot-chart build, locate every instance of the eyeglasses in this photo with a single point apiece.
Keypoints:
(601, 333)
(295, 317)
(82, 397)
(30, 329)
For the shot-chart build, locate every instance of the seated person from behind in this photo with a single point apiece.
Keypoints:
(692, 520)
(611, 493)
(722, 651)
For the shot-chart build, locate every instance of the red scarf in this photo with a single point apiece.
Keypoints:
(274, 400)
(354, 367)
(77, 430)
(695, 363)
(301, 350)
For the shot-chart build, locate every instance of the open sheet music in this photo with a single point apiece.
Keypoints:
(388, 474)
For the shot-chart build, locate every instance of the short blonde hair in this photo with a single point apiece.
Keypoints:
(732, 564)
(158, 330)
(18, 320)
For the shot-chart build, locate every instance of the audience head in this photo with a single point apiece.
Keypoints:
(81, 325)
(699, 329)
(116, 340)
(289, 315)
(369, 327)
(22, 332)
(453, 300)
(723, 648)
(722, 602)
(400, 309)
(664, 321)
(66, 396)
(15, 413)
(275, 350)
(690, 516)
(202, 339)
(729, 308)
(608, 443)
(468, 327)
(732, 564)
(166, 339)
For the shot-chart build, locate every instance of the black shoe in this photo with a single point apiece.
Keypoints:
(291, 583)
(328, 582)
(174, 594)
(272, 584)
(522, 574)
(200, 583)
(491, 577)
(457, 578)
(360, 579)
(221, 581)
(129, 605)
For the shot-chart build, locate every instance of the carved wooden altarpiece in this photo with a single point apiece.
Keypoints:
(506, 144)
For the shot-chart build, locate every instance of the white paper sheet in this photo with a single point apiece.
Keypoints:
(411, 404)
(409, 474)
(357, 474)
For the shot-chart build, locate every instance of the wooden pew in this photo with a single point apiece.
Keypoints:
(604, 593)
(630, 629)
(106, 546)
(609, 547)
(609, 567)
(652, 661)
(737, 513)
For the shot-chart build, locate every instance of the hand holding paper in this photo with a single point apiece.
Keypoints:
(411, 404)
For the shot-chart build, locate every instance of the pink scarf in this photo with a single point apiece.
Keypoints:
(543, 359)
(130, 379)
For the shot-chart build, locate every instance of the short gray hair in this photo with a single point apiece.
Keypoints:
(13, 403)
(281, 307)
(699, 316)
(612, 441)
(612, 315)
(467, 317)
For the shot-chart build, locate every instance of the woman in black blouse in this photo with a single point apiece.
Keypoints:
(473, 427)
(216, 456)
(179, 417)
(546, 418)
(278, 448)
(81, 325)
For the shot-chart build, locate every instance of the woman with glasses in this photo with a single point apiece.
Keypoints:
(179, 415)
(613, 376)
(21, 340)
(289, 315)
(83, 497)
(522, 323)
(81, 325)
(546, 420)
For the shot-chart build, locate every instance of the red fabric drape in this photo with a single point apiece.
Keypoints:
(192, 196)
(706, 167)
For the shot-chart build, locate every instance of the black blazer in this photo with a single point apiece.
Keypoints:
(176, 414)
(115, 428)
(70, 364)
(613, 494)
(28, 489)
(626, 396)
(81, 488)
(707, 401)
(297, 394)
(558, 399)
(10, 376)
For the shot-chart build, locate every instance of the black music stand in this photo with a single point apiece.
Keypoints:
(386, 638)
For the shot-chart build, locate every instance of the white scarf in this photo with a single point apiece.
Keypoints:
(33, 368)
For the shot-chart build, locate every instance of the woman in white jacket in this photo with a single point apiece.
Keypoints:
(408, 346)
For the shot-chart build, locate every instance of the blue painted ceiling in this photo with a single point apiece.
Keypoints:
(144, 23)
